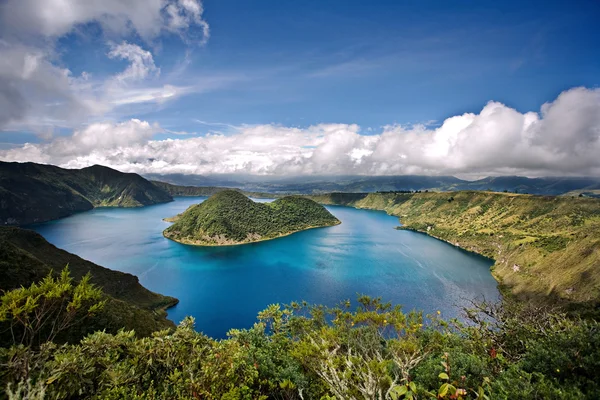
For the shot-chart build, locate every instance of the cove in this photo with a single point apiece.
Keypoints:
(225, 287)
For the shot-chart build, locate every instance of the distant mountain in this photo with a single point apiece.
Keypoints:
(357, 184)
(229, 217)
(547, 186)
(26, 257)
(32, 193)
(192, 180)
(177, 190)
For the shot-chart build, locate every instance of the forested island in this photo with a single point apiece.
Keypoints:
(229, 217)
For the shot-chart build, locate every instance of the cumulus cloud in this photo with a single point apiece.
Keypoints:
(562, 139)
(101, 138)
(36, 95)
(31, 86)
(25, 19)
(39, 94)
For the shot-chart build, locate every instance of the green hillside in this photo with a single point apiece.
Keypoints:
(177, 190)
(542, 245)
(229, 217)
(26, 257)
(36, 193)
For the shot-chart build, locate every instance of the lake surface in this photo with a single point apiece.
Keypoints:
(225, 287)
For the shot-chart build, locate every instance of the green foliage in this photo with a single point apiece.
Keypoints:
(39, 313)
(229, 217)
(27, 258)
(552, 243)
(303, 351)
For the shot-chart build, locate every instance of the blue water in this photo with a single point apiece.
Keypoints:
(225, 287)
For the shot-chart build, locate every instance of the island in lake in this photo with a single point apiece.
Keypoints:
(229, 218)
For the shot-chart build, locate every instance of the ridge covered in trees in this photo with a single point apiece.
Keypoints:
(229, 217)
(33, 193)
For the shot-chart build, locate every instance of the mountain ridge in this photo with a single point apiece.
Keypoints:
(356, 184)
(33, 193)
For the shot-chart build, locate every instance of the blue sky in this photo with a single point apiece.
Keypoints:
(371, 63)
(303, 64)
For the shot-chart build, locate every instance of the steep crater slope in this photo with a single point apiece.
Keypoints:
(26, 257)
(31, 193)
(545, 247)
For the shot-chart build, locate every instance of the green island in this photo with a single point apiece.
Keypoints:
(229, 217)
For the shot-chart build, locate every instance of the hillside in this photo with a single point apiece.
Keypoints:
(26, 257)
(229, 217)
(177, 190)
(543, 246)
(33, 193)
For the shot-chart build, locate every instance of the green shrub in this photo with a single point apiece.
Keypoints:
(301, 351)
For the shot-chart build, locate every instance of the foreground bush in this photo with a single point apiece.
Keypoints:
(302, 351)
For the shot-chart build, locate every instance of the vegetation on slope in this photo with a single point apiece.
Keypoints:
(26, 258)
(229, 217)
(177, 190)
(543, 246)
(36, 193)
(311, 352)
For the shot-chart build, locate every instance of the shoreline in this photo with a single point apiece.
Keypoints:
(162, 310)
(405, 228)
(249, 242)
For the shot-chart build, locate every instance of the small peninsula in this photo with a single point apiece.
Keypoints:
(229, 218)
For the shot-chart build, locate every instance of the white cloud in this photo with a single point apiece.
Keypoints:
(185, 13)
(26, 19)
(141, 61)
(31, 87)
(36, 95)
(39, 94)
(95, 139)
(563, 139)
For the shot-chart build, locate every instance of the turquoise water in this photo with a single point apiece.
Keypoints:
(225, 287)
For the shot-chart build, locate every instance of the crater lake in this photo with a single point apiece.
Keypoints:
(225, 287)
